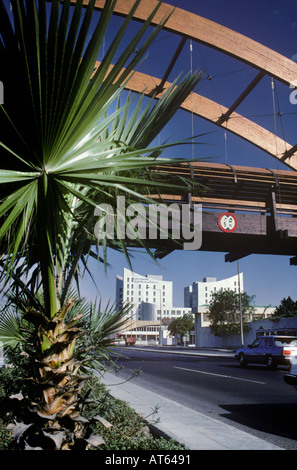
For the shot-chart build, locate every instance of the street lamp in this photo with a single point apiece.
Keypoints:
(160, 329)
(240, 309)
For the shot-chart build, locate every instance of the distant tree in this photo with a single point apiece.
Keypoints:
(181, 326)
(287, 308)
(224, 311)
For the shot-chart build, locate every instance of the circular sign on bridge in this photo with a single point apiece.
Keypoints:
(227, 222)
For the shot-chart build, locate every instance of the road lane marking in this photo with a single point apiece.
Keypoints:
(220, 375)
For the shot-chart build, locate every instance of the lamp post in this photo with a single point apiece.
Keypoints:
(240, 309)
(160, 329)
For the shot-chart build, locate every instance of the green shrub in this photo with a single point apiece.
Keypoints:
(129, 431)
(9, 385)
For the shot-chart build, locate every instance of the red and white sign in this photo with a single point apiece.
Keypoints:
(227, 222)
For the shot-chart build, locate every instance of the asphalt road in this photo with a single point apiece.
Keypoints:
(255, 399)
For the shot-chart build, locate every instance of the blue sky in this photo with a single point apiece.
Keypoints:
(273, 23)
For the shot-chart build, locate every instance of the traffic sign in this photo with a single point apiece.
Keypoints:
(227, 222)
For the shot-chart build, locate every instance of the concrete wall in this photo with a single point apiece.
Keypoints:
(204, 337)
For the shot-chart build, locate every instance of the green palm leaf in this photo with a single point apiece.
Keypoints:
(69, 141)
(10, 333)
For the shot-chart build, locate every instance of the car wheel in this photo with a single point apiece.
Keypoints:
(270, 362)
(242, 360)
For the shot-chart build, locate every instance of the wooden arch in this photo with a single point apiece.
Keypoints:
(264, 60)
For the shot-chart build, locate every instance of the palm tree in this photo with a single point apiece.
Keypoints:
(69, 141)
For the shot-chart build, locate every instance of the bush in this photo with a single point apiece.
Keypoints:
(129, 431)
(9, 385)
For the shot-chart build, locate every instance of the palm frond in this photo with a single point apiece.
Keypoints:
(105, 323)
(10, 332)
(68, 139)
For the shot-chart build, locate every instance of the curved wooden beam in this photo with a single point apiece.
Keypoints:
(212, 111)
(213, 35)
(260, 57)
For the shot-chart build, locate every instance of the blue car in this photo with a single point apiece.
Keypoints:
(269, 350)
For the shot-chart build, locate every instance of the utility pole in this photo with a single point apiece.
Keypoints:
(240, 308)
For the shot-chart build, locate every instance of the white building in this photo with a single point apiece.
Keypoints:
(150, 296)
(199, 293)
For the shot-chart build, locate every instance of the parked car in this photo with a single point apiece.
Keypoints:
(130, 340)
(291, 377)
(269, 350)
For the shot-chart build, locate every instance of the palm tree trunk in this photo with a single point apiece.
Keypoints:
(44, 228)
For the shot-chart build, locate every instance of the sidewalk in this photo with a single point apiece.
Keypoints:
(190, 351)
(189, 427)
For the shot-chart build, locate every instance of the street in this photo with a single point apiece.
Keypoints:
(256, 400)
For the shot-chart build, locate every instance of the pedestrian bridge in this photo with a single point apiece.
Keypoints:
(261, 205)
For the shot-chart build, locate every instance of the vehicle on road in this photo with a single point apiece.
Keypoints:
(130, 340)
(269, 350)
(291, 377)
